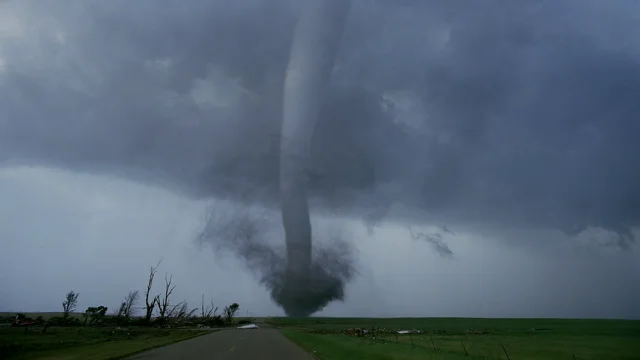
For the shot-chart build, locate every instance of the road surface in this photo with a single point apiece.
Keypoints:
(233, 344)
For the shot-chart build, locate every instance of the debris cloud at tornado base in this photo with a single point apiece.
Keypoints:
(246, 233)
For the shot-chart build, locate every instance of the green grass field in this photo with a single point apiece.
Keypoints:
(80, 343)
(523, 339)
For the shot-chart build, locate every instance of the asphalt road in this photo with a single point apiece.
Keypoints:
(259, 344)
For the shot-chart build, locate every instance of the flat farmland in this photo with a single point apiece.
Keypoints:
(462, 338)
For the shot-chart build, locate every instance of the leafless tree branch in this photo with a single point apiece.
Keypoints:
(149, 306)
(163, 303)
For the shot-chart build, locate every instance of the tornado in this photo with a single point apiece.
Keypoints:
(307, 285)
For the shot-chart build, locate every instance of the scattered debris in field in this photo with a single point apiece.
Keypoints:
(355, 332)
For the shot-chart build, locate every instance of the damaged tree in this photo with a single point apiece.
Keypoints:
(150, 306)
(180, 314)
(127, 307)
(209, 311)
(69, 304)
(229, 312)
(163, 303)
(130, 302)
(94, 315)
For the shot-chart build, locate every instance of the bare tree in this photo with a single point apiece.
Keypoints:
(212, 310)
(117, 312)
(174, 310)
(209, 310)
(180, 313)
(190, 313)
(130, 302)
(127, 307)
(69, 304)
(149, 306)
(163, 303)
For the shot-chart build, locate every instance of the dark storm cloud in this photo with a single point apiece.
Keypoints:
(519, 113)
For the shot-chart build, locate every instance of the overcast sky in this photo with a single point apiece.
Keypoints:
(513, 126)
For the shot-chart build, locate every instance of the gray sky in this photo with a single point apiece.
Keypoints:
(511, 125)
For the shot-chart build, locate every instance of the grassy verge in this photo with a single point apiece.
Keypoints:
(523, 339)
(85, 343)
(340, 347)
